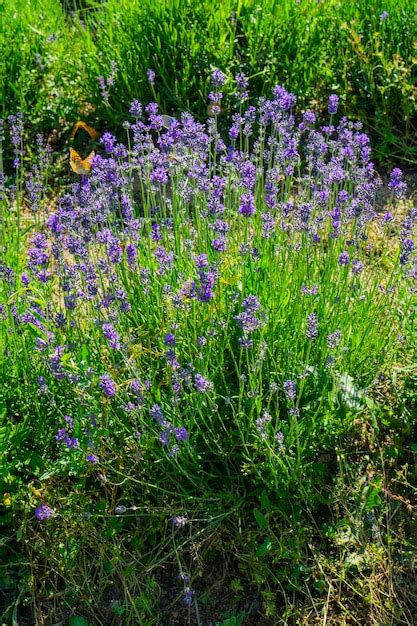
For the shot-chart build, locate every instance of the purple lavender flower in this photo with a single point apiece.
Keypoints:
(43, 512)
(247, 320)
(201, 261)
(165, 259)
(203, 290)
(109, 141)
(344, 258)
(108, 385)
(131, 253)
(219, 244)
(261, 424)
(251, 304)
(181, 433)
(43, 387)
(312, 327)
(159, 175)
(245, 343)
(136, 109)
(397, 184)
(333, 339)
(383, 16)
(106, 84)
(217, 78)
(157, 414)
(112, 75)
(357, 266)
(61, 434)
(284, 99)
(16, 132)
(92, 458)
(242, 85)
(25, 279)
(169, 339)
(247, 204)
(290, 389)
(188, 597)
(309, 117)
(112, 336)
(179, 521)
(279, 438)
(333, 103)
(310, 291)
(71, 442)
(215, 97)
(165, 437)
(387, 217)
(151, 76)
(407, 247)
(202, 384)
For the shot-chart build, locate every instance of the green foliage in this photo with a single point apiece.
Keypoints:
(323, 523)
(76, 620)
(314, 48)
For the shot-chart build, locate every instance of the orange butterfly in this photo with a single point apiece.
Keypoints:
(79, 165)
(93, 133)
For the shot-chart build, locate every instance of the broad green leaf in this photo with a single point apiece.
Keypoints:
(260, 518)
(264, 548)
(372, 498)
(265, 502)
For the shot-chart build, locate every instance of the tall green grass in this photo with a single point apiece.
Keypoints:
(314, 48)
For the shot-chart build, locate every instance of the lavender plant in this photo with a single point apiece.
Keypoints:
(204, 313)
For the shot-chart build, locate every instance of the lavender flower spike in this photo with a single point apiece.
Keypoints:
(43, 512)
(312, 327)
(333, 103)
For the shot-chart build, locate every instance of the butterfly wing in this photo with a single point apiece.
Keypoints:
(75, 161)
(79, 165)
(167, 121)
(93, 133)
(88, 160)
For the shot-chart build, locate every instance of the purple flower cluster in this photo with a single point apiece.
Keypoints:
(70, 442)
(169, 432)
(312, 327)
(249, 320)
(159, 255)
(202, 384)
(112, 336)
(290, 389)
(179, 521)
(333, 339)
(333, 103)
(43, 512)
(16, 132)
(261, 424)
(396, 183)
(106, 83)
(203, 289)
(151, 76)
(108, 385)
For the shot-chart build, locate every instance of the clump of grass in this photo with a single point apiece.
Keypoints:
(189, 337)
